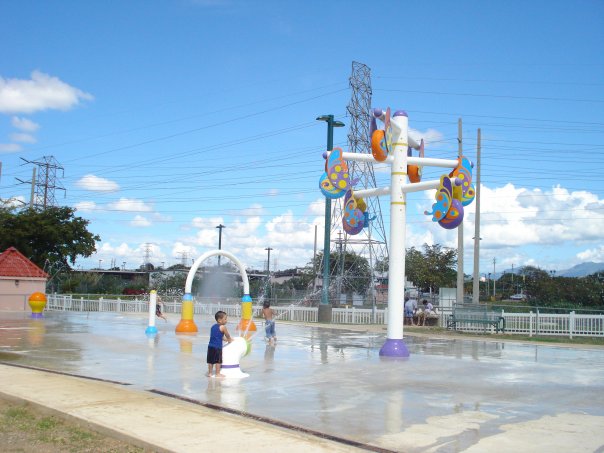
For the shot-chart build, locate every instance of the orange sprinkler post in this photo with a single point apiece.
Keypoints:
(186, 324)
(37, 302)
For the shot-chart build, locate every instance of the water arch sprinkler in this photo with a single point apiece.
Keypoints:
(186, 324)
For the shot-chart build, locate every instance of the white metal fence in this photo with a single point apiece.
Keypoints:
(555, 324)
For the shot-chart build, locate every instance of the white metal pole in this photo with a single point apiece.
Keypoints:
(151, 329)
(394, 345)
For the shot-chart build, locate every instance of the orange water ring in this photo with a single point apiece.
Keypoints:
(378, 145)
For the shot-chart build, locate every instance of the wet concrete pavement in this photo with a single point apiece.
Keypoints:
(451, 395)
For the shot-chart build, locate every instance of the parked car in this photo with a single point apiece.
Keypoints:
(518, 297)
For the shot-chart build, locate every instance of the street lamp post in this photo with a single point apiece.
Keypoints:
(324, 314)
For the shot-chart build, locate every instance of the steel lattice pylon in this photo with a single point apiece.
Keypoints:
(371, 242)
(44, 183)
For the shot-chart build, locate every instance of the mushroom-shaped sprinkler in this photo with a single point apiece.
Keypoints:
(37, 302)
(231, 355)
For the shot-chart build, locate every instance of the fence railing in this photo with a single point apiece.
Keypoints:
(531, 323)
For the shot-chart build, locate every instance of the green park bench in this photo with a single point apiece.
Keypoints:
(476, 314)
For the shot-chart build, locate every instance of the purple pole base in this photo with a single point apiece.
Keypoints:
(37, 315)
(394, 348)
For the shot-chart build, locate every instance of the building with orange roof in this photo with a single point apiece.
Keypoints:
(19, 278)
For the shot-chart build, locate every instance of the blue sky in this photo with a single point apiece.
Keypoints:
(172, 117)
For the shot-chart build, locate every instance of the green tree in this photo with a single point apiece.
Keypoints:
(562, 292)
(432, 268)
(54, 235)
(300, 282)
(170, 285)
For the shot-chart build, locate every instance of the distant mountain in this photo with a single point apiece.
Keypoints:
(582, 270)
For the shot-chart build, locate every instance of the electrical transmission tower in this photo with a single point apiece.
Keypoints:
(44, 182)
(147, 254)
(371, 242)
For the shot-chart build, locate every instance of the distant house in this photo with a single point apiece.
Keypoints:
(19, 279)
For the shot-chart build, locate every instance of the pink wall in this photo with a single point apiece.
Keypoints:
(14, 297)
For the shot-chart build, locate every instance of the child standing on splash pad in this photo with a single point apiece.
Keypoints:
(158, 312)
(217, 333)
(269, 322)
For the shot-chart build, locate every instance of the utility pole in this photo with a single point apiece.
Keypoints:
(476, 277)
(268, 271)
(268, 263)
(460, 274)
(220, 227)
(32, 195)
(494, 278)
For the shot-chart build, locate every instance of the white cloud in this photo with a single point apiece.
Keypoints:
(244, 229)
(513, 217)
(10, 147)
(317, 207)
(521, 226)
(130, 205)
(236, 233)
(122, 250)
(41, 92)
(85, 206)
(23, 138)
(516, 216)
(596, 255)
(206, 223)
(140, 221)
(429, 136)
(96, 184)
(24, 124)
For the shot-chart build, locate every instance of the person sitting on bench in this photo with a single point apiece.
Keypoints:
(423, 314)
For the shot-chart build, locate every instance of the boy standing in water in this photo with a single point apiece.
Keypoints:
(217, 332)
(269, 322)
